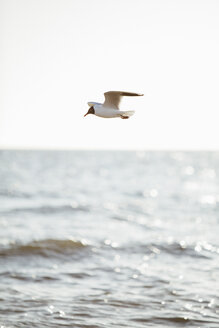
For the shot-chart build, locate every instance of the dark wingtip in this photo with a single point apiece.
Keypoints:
(131, 94)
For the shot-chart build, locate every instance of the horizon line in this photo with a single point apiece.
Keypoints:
(109, 149)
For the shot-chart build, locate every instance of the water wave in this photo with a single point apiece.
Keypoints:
(45, 248)
(201, 250)
(46, 209)
(23, 276)
(14, 194)
(177, 320)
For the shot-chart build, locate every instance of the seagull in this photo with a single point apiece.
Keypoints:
(110, 107)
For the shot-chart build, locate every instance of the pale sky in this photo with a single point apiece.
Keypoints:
(56, 55)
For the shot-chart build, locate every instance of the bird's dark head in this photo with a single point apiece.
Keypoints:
(90, 111)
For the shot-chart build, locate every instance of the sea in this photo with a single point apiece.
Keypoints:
(99, 239)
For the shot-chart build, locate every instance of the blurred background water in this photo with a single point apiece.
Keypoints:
(109, 239)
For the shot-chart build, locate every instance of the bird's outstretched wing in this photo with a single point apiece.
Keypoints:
(113, 98)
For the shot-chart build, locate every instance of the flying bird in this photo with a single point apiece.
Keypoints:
(110, 107)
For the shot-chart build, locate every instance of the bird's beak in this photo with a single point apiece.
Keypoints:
(86, 114)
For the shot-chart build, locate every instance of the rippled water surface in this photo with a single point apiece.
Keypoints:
(109, 239)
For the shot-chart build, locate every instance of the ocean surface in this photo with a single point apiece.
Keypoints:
(109, 239)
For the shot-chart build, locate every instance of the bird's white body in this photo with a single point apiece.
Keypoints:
(107, 112)
(110, 108)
